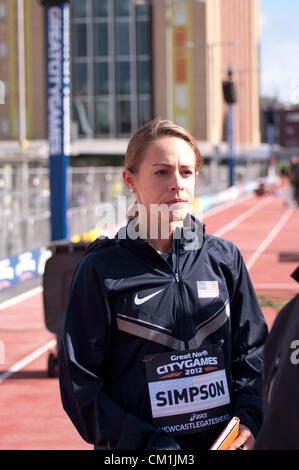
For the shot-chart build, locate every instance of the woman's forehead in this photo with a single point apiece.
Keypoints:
(169, 149)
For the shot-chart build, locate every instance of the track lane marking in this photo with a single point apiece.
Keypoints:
(234, 223)
(27, 359)
(20, 298)
(226, 205)
(266, 242)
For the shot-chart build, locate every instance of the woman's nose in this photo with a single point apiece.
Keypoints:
(177, 182)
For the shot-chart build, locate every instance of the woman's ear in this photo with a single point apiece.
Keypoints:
(128, 180)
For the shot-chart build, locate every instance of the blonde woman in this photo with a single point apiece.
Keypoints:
(163, 333)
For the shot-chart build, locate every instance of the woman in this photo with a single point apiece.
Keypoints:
(163, 333)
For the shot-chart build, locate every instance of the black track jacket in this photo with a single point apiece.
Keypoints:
(107, 334)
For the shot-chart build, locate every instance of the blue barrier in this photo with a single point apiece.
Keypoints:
(23, 266)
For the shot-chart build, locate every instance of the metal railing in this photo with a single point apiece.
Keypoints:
(25, 199)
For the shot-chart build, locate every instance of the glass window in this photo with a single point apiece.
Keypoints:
(123, 78)
(122, 38)
(99, 8)
(142, 10)
(79, 78)
(80, 116)
(290, 130)
(79, 40)
(292, 117)
(142, 37)
(143, 76)
(2, 11)
(100, 39)
(78, 9)
(101, 83)
(123, 117)
(121, 7)
(144, 111)
(102, 117)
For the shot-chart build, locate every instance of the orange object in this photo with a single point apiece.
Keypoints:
(228, 435)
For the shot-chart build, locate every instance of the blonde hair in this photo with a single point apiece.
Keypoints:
(152, 131)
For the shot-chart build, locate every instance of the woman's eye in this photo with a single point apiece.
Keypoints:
(161, 172)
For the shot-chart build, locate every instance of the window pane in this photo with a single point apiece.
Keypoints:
(142, 37)
(100, 39)
(99, 8)
(122, 39)
(80, 116)
(123, 117)
(78, 9)
(123, 84)
(142, 10)
(143, 76)
(101, 83)
(144, 111)
(102, 118)
(79, 78)
(79, 40)
(121, 7)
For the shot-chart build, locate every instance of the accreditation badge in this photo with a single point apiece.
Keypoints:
(188, 390)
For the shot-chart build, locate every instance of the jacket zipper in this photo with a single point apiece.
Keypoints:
(179, 290)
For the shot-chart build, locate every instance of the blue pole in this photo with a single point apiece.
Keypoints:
(230, 140)
(58, 85)
(270, 132)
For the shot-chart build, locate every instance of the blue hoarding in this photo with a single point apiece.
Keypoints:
(58, 85)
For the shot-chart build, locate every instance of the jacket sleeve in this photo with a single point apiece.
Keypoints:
(248, 335)
(81, 371)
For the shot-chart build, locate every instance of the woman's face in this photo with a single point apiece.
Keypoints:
(167, 175)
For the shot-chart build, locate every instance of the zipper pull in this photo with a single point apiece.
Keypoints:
(177, 277)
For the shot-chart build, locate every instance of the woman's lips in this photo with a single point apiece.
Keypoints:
(175, 201)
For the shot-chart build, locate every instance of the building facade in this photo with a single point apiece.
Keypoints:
(111, 67)
(132, 60)
(289, 127)
(208, 37)
(34, 72)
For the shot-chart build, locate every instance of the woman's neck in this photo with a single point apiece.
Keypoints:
(162, 246)
(162, 243)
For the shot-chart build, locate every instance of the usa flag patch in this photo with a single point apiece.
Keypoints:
(207, 289)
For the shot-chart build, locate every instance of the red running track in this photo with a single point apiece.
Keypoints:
(31, 415)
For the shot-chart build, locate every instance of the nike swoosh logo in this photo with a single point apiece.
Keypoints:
(145, 299)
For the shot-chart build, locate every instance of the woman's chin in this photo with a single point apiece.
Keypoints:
(177, 215)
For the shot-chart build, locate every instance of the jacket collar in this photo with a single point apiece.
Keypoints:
(186, 238)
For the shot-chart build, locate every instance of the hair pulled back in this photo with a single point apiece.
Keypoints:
(152, 131)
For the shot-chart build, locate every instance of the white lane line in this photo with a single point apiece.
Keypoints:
(20, 298)
(27, 359)
(226, 205)
(274, 232)
(234, 223)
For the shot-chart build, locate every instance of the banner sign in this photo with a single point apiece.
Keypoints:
(23, 266)
(59, 119)
(188, 390)
(182, 60)
(58, 75)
